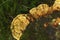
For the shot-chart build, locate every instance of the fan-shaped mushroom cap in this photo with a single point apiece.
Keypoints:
(40, 10)
(57, 0)
(56, 5)
(33, 12)
(43, 9)
(18, 25)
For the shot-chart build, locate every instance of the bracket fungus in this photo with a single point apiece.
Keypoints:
(21, 21)
(39, 11)
(56, 5)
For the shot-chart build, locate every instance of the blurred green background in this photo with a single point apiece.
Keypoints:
(10, 9)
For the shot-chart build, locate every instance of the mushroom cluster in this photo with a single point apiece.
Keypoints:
(21, 21)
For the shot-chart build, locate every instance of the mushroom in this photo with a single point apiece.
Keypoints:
(56, 5)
